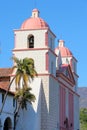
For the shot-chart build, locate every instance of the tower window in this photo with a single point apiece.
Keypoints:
(31, 41)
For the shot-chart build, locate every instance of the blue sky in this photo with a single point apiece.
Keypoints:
(66, 18)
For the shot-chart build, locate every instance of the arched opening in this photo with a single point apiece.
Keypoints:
(7, 124)
(31, 41)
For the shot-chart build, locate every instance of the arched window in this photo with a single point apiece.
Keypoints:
(7, 124)
(31, 41)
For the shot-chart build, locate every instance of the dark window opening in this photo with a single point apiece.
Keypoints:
(31, 41)
(7, 124)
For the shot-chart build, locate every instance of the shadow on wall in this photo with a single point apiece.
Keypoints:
(34, 118)
(30, 118)
(44, 110)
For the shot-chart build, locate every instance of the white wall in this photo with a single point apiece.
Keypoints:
(30, 119)
(38, 56)
(8, 110)
(21, 38)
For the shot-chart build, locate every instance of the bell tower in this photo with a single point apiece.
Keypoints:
(35, 40)
(67, 58)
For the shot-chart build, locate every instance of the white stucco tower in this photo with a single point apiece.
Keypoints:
(35, 40)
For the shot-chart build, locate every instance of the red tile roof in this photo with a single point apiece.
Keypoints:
(5, 78)
(4, 85)
(4, 72)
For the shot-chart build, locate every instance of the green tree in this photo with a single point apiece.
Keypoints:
(25, 71)
(83, 119)
(83, 115)
(23, 96)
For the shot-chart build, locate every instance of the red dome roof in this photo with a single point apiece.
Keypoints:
(63, 50)
(35, 22)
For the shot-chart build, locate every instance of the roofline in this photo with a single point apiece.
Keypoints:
(76, 74)
(52, 32)
(9, 92)
(61, 75)
(45, 28)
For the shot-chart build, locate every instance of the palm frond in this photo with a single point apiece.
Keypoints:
(15, 59)
(23, 96)
(18, 80)
(25, 79)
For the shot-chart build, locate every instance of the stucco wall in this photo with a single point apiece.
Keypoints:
(21, 38)
(38, 56)
(7, 111)
(49, 104)
(30, 119)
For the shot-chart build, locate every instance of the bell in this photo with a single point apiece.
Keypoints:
(31, 40)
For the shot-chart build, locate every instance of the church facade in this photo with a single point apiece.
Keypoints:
(55, 88)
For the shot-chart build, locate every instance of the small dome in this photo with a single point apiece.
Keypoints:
(63, 50)
(34, 22)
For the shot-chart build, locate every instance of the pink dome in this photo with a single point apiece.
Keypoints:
(34, 22)
(63, 50)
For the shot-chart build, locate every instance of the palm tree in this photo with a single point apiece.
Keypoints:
(25, 71)
(23, 96)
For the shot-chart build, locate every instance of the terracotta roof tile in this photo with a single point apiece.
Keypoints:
(4, 72)
(4, 78)
(4, 85)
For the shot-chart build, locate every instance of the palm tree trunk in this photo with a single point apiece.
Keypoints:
(6, 94)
